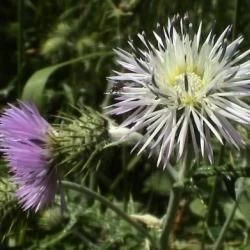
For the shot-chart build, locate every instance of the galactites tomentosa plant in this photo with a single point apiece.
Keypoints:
(181, 90)
(38, 152)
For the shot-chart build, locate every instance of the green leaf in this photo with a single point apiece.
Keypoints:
(244, 204)
(158, 182)
(198, 208)
(35, 86)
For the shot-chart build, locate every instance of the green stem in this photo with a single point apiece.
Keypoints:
(66, 231)
(213, 200)
(107, 97)
(221, 236)
(20, 43)
(175, 196)
(103, 200)
(172, 209)
(235, 18)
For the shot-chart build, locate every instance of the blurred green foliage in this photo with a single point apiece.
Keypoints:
(59, 53)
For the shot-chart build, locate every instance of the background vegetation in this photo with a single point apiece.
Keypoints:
(59, 53)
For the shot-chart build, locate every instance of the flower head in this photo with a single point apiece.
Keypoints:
(24, 143)
(182, 91)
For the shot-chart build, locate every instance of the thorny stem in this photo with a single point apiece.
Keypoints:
(107, 203)
(174, 200)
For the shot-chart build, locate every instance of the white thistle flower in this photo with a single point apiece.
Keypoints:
(181, 91)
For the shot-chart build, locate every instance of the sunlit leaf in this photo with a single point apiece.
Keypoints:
(198, 208)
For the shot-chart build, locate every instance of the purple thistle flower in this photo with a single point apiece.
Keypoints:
(24, 143)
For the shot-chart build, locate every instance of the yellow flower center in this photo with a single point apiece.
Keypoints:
(188, 86)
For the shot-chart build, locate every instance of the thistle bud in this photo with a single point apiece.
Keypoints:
(6, 194)
(78, 138)
(50, 218)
